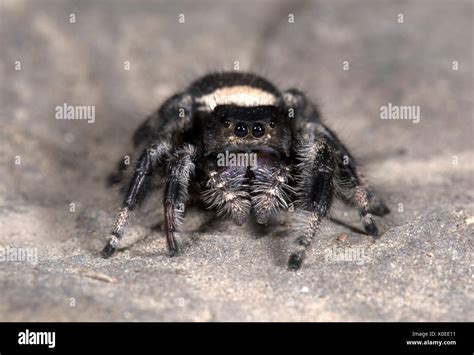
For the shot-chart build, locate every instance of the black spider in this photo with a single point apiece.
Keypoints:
(300, 163)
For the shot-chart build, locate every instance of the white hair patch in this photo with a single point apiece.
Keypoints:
(241, 95)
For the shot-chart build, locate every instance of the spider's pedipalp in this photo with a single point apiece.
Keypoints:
(271, 192)
(226, 193)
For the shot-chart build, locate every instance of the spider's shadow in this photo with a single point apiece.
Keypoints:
(341, 223)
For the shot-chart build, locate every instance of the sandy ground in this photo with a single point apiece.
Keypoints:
(54, 203)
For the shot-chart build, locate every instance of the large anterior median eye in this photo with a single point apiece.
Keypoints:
(258, 130)
(241, 130)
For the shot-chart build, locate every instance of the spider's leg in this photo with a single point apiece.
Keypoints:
(151, 157)
(226, 191)
(170, 121)
(270, 191)
(179, 170)
(315, 191)
(173, 118)
(351, 177)
(352, 187)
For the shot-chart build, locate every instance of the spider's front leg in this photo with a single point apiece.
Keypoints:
(151, 158)
(315, 192)
(179, 171)
(351, 186)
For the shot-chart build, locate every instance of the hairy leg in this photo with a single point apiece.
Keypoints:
(363, 196)
(315, 191)
(352, 187)
(179, 171)
(168, 123)
(152, 157)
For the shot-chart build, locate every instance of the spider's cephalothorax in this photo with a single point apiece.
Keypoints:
(246, 150)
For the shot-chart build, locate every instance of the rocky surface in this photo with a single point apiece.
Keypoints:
(54, 203)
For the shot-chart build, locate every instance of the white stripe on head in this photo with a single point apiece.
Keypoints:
(240, 95)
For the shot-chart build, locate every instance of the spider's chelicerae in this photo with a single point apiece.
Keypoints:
(299, 162)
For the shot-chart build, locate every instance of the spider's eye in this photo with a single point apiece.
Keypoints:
(258, 130)
(272, 124)
(226, 123)
(241, 130)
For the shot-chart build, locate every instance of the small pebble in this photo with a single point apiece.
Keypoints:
(342, 237)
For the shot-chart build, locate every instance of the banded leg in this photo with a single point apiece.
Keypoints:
(315, 193)
(351, 186)
(152, 157)
(364, 196)
(178, 173)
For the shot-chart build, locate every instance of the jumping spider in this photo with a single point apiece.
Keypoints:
(300, 161)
